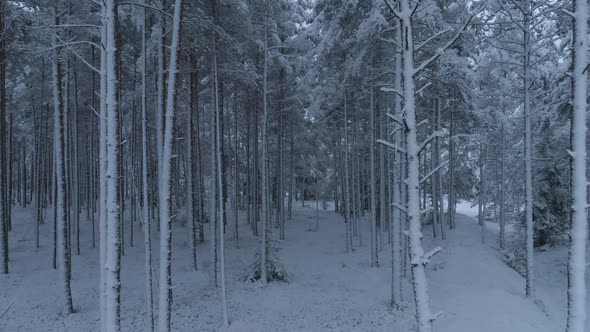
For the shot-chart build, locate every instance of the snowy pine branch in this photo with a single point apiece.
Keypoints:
(391, 145)
(442, 49)
(429, 139)
(426, 258)
(436, 169)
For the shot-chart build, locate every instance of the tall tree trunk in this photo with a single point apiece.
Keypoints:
(373, 215)
(236, 176)
(192, 152)
(59, 141)
(576, 318)
(451, 195)
(382, 195)
(220, 202)
(75, 165)
(109, 133)
(396, 227)
(530, 279)
(264, 176)
(3, 212)
(147, 229)
(280, 174)
(347, 204)
(502, 180)
(417, 256)
(291, 176)
(165, 295)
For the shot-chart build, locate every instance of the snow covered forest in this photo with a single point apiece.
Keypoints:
(294, 165)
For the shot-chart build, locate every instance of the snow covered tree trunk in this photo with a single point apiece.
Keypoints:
(418, 260)
(5, 201)
(374, 262)
(355, 181)
(196, 170)
(437, 176)
(212, 195)
(481, 200)
(103, 226)
(214, 216)
(75, 165)
(451, 195)
(347, 219)
(109, 128)
(59, 147)
(236, 178)
(220, 205)
(576, 318)
(502, 180)
(396, 227)
(433, 182)
(280, 175)
(382, 193)
(160, 95)
(3, 225)
(165, 294)
(530, 278)
(38, 179)
(291, 177)
(189, 199)
(147, 229)
(264, 176)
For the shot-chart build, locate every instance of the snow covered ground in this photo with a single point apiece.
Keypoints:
(329, 289)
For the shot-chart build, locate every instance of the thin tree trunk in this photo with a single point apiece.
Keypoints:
(502, 180)
(59, 141)
(396, 227)
(530, 279)
(347, 219)
(264, 176)
(147, 233)
(3, 212)
(221, 206)
(451, 195)
(165, 295)
(373, 215)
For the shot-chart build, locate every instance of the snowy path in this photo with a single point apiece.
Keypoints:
(477, 291)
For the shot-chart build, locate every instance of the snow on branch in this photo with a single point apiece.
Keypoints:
(421, 123)
(399, 207)
(426, 258)
(388, 89)
(163, 12)
(391, 145)
(432, 172)
(436, 35)
(436, 316)
(441, 50)
(395, 118)
(425, 211)
(419, 92)
(567, 12)
(389, 40)
(393, 9)
(428, 139)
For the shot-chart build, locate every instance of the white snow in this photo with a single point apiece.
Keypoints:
(330, 290)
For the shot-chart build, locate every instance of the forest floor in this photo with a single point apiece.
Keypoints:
(329, 290)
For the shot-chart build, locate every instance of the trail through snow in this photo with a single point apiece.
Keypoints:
(476, 290)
